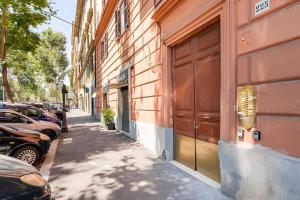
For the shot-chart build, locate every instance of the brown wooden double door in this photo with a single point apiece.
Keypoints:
(196, 101)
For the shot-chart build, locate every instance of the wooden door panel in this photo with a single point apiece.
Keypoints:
(207, 83)
(196, 98)
(208, 38)
(208, 86)
(183, 84)
(183, 90)
(182, 51)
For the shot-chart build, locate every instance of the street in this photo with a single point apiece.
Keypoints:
(93, 163)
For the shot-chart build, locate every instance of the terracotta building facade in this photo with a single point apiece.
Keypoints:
(213, 85)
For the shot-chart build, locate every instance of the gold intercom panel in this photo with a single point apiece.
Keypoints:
(246, 101)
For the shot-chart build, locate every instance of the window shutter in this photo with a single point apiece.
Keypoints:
(126, 13)
(102, 50)
(117, 23)
(106, 45)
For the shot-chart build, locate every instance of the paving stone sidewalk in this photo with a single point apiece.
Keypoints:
(93, 163)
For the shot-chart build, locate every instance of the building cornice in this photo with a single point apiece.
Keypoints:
(78, 16)
(105, 18)
(163, 8)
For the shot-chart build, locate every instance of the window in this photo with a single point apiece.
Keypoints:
(103, 4)
(123, 15)
(104, 47)
(121, 18)
(29, 112)
(117, 23)
(32, 113)
(6, 117)
(102, 50)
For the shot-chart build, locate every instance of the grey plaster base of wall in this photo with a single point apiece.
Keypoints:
(258, 173)
(159, 140)
(98, 115)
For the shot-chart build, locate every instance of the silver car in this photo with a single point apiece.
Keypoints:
(17, 120)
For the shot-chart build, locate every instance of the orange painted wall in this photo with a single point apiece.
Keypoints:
(139, 46)
(268, 57)
(265, 53)
(258, 50)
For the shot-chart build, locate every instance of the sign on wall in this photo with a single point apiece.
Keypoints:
(262, 6)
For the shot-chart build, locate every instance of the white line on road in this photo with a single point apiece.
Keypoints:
(48, 162)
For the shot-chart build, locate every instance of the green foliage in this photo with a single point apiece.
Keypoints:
(21, 41)
(22, 18)
(108, 116)
(32, 73)
(52, 57)
(70, 75)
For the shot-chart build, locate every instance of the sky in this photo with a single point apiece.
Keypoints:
(66, 10)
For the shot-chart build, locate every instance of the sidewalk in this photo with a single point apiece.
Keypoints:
(93, 163)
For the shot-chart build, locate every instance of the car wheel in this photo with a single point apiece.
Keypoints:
(28, 154)
(50, 134)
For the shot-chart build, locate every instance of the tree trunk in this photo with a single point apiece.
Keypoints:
(6, 85)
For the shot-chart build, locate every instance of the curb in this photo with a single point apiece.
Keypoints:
(48, 162)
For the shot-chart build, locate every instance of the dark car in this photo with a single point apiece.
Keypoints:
(23, 144)
(49, 107)
(21, 181)
(33, 112)
(38, 105)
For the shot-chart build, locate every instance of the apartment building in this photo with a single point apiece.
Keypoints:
(83, 55)
(212, 84)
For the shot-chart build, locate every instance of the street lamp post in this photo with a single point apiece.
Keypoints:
(64, 123)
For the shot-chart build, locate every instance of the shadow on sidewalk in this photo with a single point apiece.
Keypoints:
(93, 163)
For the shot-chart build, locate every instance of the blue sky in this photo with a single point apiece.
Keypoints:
(66, 10)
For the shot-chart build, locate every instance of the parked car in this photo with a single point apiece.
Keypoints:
(23, 144)
(17, 120)
(19, 180)
(33, 112)
(52, 109)
(37, 105)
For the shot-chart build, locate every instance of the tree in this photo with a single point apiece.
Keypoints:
(18, 18)
(52, 58)
(71, 76)
(23, 74)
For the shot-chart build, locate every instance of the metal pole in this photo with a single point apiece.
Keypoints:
(64, 123)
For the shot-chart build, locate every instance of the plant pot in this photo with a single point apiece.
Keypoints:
(111, 126)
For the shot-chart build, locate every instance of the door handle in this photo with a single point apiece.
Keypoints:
(196, 125)
(181, 114)
(206, 117)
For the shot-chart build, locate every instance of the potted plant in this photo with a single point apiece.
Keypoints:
(108, 117)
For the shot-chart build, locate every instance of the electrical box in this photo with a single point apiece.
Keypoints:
(246, 101)
(256, 135)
